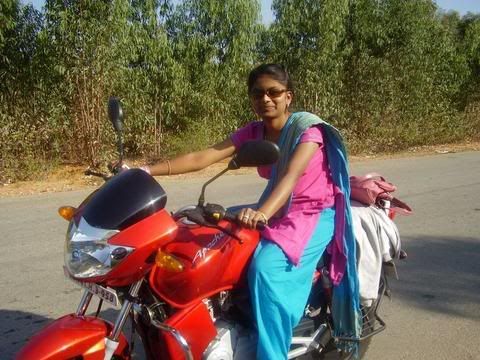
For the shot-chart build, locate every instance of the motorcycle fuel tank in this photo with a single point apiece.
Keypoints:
(212, 261)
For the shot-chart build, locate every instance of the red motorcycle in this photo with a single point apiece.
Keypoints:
(179, 277)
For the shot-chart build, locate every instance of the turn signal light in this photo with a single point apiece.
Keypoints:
(168, 262)
(67, 212)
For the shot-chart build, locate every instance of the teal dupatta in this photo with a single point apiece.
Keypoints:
(345, 302)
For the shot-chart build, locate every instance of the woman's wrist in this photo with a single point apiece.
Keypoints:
(262, 214)
(164, 168)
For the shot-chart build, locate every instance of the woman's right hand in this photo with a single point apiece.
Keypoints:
(251, 218)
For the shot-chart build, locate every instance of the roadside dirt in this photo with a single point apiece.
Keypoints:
(68, 177)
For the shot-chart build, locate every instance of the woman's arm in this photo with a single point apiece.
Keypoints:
(281, 193)
(195, 160)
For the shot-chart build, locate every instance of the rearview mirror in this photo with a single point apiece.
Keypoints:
(255, 153)
(251, 153)
(115, 113)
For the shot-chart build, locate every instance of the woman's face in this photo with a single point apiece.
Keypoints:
(270, 98)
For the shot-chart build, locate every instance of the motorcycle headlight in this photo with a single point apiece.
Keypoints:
(87, 252)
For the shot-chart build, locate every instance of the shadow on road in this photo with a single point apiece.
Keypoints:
(441, 274)
(17, 327)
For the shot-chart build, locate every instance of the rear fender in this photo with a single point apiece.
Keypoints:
(72, 337)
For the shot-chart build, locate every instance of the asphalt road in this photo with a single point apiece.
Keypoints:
(435, 310)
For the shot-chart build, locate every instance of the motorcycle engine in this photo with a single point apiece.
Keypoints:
(233, 342)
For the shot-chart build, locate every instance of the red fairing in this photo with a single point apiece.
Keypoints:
(213, 261)
(194, 324)
(70, 337)
(146, 237)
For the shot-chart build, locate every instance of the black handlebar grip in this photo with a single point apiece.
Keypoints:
(230, 217)
(260, 226)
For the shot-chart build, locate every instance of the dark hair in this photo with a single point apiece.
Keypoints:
(275, 71)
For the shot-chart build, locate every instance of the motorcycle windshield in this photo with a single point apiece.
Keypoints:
(124, 200)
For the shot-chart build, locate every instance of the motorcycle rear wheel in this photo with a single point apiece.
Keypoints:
(369, 319)
(331, 352)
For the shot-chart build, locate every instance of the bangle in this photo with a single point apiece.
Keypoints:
(169, 168)
(262, 214)
(146, 169)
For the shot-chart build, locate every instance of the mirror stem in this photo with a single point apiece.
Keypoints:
(201, 199)
(120, 146)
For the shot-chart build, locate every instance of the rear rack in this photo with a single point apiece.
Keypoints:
(372, 322)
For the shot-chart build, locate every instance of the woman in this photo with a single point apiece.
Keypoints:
(299, 205)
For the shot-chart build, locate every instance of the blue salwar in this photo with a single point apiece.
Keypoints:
(279, 290)
(345, 300)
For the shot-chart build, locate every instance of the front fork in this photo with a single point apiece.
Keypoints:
(111, 341)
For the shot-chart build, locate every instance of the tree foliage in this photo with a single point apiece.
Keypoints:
(395, 73)
(215, 44)
(309, 38)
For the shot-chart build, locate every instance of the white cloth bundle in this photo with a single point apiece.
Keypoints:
(378, 241)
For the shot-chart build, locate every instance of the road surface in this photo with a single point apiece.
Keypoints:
(435, 310)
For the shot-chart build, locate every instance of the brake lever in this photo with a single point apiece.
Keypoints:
(117, 168)
(99, 174)
(196, 216)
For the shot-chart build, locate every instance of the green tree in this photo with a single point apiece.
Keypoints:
(8, 13)
(215, 44)
(88, 41)
(395, 72)
(22, 130)
(152, 81)
(401, 75)
(308, 37)
(470, 47)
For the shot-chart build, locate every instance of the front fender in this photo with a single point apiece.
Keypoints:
(72, 337)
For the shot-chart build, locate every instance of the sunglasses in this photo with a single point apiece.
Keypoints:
(272, 93)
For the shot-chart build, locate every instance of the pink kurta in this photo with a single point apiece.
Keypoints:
(313, 192)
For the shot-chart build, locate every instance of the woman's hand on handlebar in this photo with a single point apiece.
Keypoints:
(251, 218)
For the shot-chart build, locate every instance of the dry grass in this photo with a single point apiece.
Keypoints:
(69, 177)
